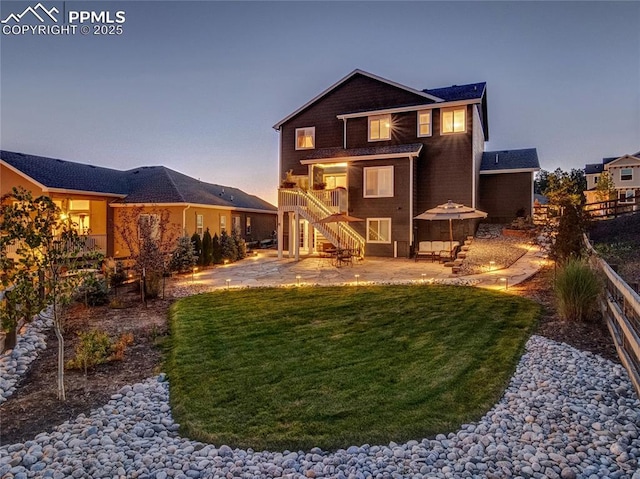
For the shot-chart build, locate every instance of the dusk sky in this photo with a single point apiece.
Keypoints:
(197, 86)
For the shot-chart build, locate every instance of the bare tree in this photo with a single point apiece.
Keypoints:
(151, 239)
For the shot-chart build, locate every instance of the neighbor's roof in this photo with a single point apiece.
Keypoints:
(593, 168)
(471, 91)
(159, 184)
(67, 175)
(148, 184)
(521, 160)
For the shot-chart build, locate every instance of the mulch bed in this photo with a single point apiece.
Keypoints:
(34, 407)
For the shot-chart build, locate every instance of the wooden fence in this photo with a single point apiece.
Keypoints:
(621, 309)
(603, 210)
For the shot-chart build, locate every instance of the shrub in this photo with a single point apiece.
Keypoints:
(94, 347)
(197, 246)
(120, 346)
(153, 284)
(568, 242)
(577, 288)
(216, 249)
(184, 257)
(93, 292)
(207, 248)
(241, 246)
(228, 247)
(118, 275)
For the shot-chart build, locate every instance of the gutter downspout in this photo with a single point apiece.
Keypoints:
(411, 179)
(184, 220)
(344, 133)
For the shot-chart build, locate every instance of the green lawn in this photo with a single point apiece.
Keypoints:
(339, 366)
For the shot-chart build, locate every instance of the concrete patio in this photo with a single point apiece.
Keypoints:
(266, 269)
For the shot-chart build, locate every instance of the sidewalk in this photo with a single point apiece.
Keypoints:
(267, 270)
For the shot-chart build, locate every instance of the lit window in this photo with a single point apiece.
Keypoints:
(199, 225)
(305, 138)
(223, 224)
(454, 120)
(379, 127)
(424, 123)
(626, 174)
(248, 225)
(379, 230)
(75, 205)
(627, 196)
(378, 182)
(235, 221)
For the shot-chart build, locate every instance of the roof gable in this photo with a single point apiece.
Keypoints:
(419, 94)
(626, 160)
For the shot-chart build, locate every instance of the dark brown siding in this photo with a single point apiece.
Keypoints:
(356, 94)
(502, 195)
(396, 208)
(262, 225)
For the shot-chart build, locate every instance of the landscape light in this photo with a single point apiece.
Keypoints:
(228, 281)
(357, 279)
(506, 283)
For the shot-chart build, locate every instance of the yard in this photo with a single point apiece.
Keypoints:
(338, 366)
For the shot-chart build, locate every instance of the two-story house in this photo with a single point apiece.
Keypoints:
(384, 153)
(624, 171)
(94, 198)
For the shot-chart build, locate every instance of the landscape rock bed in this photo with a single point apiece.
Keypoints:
(15, 363)
(491, 245)
(565, 414)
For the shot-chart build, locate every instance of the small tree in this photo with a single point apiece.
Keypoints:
(568, 242)
(207, 248)
(151, 239)
(196, 241)
(605, 188)
(228, 247)
(216, 249)
(183, 258)
(46, 269)
(565, 188)
(241, 246)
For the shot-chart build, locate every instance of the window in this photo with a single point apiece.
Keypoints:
(454, 120)
(223, 224)
(379, 127)
(424, 123)
(378, 182)
(306, 138)
(149, 224)
(235, 222)
(248, 229)
(627, 196)
(626, 174)
(379, 230)
(595, 179)
(199, 225)
(79, 214)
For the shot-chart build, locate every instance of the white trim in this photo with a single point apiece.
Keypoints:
(366, 236)
(195, 205)
(343, 159)
(515, 170)
(404, 109)
(364, 181)
(419, 124)
(379, 119)
(410, 202)
(313, 137)
(625, 157)
(343, 80)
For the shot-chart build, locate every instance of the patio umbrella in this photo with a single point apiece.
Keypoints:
(339, 218)
(451, 211)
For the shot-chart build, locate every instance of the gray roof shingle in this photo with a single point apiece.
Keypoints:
(524, 159)
(593, 168)
(147, 184)
(471, 91)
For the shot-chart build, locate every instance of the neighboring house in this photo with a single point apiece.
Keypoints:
(624, 172)
(384, 152)
(94, 198)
